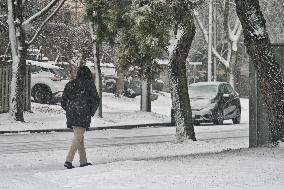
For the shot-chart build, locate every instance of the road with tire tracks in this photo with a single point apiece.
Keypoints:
(24, 143)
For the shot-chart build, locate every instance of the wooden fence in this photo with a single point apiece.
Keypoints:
(5, 86)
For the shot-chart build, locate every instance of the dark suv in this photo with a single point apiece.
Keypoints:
(214, 102)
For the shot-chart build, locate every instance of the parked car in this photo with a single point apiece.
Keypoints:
(69, 67)
(214, 102)
(109, 86)
(109, 83)
(47, 81)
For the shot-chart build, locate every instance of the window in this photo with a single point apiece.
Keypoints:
(202, 91)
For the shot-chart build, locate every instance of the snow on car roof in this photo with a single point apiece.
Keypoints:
(42, 64)
(206, 83)
(107, 65)
(62, 63)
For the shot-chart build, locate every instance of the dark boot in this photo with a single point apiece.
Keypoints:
(86, 164)
(68, 165)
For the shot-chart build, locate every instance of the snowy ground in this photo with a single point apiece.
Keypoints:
(136, 158)
(116, 111)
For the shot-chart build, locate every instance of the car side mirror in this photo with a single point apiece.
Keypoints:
(226, 95)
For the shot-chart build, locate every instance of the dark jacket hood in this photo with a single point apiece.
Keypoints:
(84, 73)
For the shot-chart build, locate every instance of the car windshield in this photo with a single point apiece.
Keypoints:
(202, 91)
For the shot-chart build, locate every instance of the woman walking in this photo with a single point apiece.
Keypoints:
(80, 100)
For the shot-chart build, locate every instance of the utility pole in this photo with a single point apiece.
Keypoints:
(215, 40)
(210, 40)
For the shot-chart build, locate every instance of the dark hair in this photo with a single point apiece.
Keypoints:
(84, 73)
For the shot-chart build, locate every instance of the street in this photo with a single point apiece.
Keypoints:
(24, 143)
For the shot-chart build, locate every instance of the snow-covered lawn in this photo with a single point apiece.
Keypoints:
(116, 111)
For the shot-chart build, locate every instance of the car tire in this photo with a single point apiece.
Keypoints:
(218, 118)
(237, 119)
(42, 94)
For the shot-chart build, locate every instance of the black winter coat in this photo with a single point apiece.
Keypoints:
(80, 100)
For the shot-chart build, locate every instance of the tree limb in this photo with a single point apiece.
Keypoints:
(42, 12)
(226, 23)
(46, 20)
(205, 34)
(234, 35)
(12, 33)
(7, 49)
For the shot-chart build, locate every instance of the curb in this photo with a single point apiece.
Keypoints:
(91, 129)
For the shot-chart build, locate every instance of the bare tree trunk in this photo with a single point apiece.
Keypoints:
(86, 50)
(119, 84)
(178, 84)
(145, 105)
(19, 53)
(232, 69)
(72, 71)
(270, 75)
(96, 54)
(231, 43)
(99, 79)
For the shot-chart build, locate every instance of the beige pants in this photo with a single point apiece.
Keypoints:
(77, 144)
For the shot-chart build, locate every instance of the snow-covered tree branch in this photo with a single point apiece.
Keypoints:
(42, 12)
(45, 21)
(232, 36)
(205, 34)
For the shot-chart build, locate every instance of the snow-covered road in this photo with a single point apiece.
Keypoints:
(24, 143)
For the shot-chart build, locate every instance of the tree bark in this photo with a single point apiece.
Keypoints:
(19, 53)
(99, 79)
(233, 50)
(233, 60)
(268, 70)
(119, 84)
(96, 55)
(145, 105)
(178, 85)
